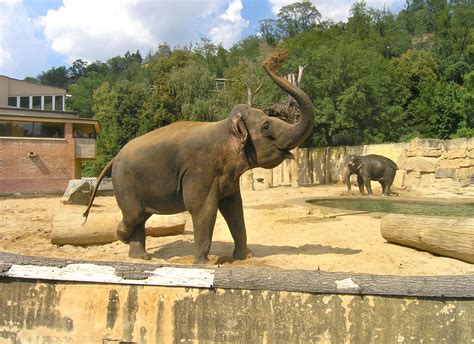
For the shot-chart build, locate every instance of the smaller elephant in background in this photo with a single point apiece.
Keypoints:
(367, 168)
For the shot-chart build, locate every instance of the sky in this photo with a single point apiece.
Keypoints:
(36, 35)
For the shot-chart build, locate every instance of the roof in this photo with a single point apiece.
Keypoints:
(59, 89)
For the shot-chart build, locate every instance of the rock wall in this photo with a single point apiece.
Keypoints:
(421, 162)
(427, 162)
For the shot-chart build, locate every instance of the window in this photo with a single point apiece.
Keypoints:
(12, 101)
(37, 102)
(25, 102)
(58, 103)
(83, 131)
(31, 129)
(48, 103)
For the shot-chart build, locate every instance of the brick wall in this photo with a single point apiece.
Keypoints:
(49, 171)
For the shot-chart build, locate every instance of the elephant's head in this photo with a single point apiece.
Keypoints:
(354, 163)
(268, 140)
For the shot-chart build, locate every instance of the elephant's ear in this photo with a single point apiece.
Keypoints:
(239, 128)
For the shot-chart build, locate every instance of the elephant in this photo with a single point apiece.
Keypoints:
(367, 168)
(196, 167)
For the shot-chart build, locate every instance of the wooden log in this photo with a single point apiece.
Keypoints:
(451, 237)
(249, 278)
(69, 228)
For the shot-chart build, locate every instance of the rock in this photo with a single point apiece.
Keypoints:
(77, 192)
(427, 179)
(425, 147)
(421, 164)
(399, 180)
(460, 144)
(456, 154)
(464, 173)
(442, 172)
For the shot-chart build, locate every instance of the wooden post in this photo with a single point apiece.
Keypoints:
(270, 177)
(295, 181)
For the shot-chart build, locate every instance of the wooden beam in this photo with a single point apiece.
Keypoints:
(306, 281)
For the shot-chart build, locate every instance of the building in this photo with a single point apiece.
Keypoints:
(41, 145)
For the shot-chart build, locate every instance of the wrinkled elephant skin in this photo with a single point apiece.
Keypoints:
(196, 166)
(367, 168)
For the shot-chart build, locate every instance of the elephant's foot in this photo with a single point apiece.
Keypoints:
(138, 251)
(242, 254)
(202, 260)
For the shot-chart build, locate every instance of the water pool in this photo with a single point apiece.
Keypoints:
(428, 208)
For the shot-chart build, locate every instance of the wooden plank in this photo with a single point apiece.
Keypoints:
(96, 273)
(306, 281)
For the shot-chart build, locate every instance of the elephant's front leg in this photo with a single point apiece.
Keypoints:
(360, 184)
(231, 209)
(367, 185)
(202, 204)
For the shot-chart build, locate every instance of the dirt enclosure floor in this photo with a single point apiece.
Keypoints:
(280, 235)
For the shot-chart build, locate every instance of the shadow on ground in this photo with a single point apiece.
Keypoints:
(220, 248)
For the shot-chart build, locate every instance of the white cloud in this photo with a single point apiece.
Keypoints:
(230, 26)
(21, 50)
(97, 30)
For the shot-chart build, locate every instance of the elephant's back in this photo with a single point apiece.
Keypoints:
(385, 160)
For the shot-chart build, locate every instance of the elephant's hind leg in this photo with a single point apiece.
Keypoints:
(137, 241)
(131, 230)
(388, 184)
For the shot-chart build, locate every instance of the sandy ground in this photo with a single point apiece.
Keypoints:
(280, 235)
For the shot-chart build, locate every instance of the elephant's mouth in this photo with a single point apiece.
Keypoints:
(286, 153)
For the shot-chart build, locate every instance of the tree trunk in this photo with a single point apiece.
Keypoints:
(100, 228)
(451, 237)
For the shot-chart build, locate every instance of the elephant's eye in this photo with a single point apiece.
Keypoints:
(266, 126)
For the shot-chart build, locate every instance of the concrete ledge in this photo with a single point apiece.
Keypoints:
(241, 306)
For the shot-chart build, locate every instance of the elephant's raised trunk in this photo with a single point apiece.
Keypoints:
(302, 129)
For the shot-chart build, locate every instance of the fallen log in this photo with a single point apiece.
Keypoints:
(451, 237)
(69, 228)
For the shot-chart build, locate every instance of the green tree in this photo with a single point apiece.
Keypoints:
(192, 87)
(57, 77)
(298, 17)
(82, 91)
(438, 112)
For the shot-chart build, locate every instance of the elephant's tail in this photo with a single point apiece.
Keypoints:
(99, 179)
(391, 163)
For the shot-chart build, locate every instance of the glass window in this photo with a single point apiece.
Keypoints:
(48, 103)
(31, 129)
(48, 129)
(58, 103)
(25, 102)
(12, 101)
(16, 129)
(83, 131)
(37, 102)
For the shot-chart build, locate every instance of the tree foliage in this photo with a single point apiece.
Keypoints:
(379, 77)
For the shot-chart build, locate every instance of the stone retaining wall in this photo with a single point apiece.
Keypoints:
(421, 162)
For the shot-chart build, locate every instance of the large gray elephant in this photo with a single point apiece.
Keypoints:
(367, 168)
(196, 166)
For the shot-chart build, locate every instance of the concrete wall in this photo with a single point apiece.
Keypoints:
(48, 171)
(58, 312)
(421, 162)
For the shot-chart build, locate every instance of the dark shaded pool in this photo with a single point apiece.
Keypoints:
(399, 207)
